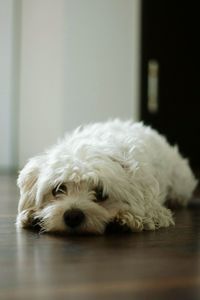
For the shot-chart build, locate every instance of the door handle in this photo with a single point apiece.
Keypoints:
(152, 89)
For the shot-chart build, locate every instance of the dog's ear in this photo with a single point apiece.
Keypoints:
(27, 183)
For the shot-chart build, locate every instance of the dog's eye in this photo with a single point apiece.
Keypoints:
(100, 195)
(61, 189)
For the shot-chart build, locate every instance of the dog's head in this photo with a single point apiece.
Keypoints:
(71, 193)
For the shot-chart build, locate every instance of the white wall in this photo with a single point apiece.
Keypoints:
(6, 84)
(79, 62)
(42, 75)
(102, 60)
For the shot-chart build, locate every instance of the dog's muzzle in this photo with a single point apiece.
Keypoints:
(73, 217)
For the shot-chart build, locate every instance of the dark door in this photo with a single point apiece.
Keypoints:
(170, 88)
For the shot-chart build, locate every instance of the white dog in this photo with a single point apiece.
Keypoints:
(101, 174)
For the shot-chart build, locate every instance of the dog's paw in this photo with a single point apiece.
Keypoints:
(27, 219)
(158, 217)
(126, 219)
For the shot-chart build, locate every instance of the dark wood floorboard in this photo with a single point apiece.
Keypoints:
(151, 265)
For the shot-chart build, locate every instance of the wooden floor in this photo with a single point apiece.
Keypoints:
(149, 265)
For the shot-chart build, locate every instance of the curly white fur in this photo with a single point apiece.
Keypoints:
(134, 166)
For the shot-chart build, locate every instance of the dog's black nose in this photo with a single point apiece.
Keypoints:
(73, 217)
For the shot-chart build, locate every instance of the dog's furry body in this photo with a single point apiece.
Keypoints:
(120, 172)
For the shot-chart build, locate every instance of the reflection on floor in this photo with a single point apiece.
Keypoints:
(151, 265)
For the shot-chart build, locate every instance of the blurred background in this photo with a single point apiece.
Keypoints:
(64, 63)
(68, 62)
